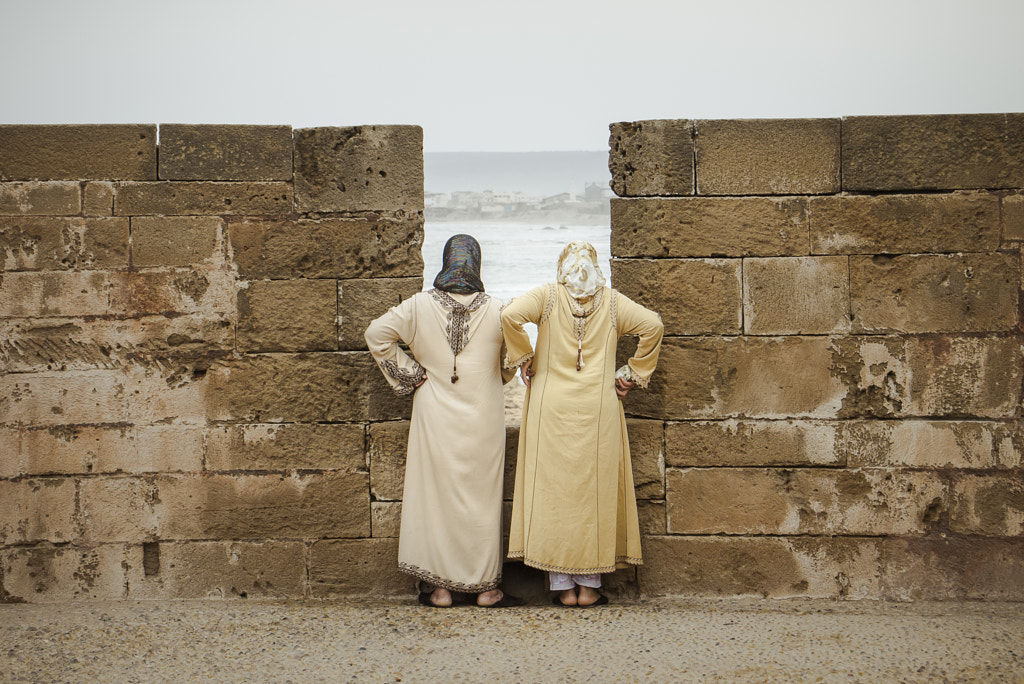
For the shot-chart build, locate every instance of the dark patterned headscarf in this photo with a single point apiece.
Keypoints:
(460, 272)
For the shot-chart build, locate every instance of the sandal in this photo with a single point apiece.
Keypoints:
(506, 601)
(424, 599)
(601, 600)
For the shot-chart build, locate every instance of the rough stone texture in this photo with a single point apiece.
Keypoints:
(176, 240)
(74, 152)
(709, 227)
(511, 459)
(386, 518)
(1012, 211)
(38, 243)
(95, 397)
(652, 517)
(647, 449)
(330, 248)
(360, 300)
(931, 444)
(120, 509)
(935, 293)
(35, 510)
(990, 504)
(386, 449)
(52, 574)
(225, 152)
(359, 168)
(199, 198)
(753, 443)
(651, 158)
(794, 296)
(273, 446)
(901, 224)
(98, 199)
(288, 315)
(55, 198)
(202, 290)
(767, 157)
(340, 568)
(34, 295)
(964, 377)
(692, 296)
(973, 568)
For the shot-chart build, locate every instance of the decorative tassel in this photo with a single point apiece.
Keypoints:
(579, 357)
(455, 374)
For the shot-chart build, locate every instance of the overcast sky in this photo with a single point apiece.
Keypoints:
(503, 76)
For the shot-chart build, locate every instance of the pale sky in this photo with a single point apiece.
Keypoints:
(504, 76)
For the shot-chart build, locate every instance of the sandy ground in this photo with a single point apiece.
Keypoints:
(656, 641)
(515, 394)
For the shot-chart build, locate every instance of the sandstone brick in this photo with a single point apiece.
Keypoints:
(692, 296)
(765, 567)
(647, 449)
(933, 152)
(198, 198)
(1012, 212)
(285, 447)
(802, 501)
(362, 300)
(171, 396)
(288, 315)
(98, 199)
(206, 290)
(652, 515)
(225, 153)
(753, 443)
(78, 152)
(33, 295)
(875, 373)
(329, 248)
(120, 509)
(901, 224)
(767, 156)
(976, 377)
(302, 387)
(359, 168)
(958, 568)
(357, 568)
(989, 504)
(931, 444)
(793, 296)
(160, 449)
(387, 518)
(36, 510)
(56, 574)
(12, 456)
(51, 243)
(176, 240)
(54, 198)
(63, 398)
(77, 449)
(387, 448)
(651, 158)
(237, 569)
(709, 227)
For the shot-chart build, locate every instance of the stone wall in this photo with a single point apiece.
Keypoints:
(837, 411)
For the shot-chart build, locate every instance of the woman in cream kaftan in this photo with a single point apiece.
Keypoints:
(451, 508)
(574, 509)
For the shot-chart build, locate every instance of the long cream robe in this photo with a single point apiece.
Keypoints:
(451, 507)
(574, 508)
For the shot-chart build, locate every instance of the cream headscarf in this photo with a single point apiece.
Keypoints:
(578, 270)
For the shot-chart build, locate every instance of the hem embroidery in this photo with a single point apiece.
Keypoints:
(450, 585)
(510, 365)
(519, 555)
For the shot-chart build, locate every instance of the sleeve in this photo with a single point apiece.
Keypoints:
(401, 371)
(634, 319)
(528, 308)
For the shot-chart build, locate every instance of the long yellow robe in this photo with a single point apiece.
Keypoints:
(574, 508)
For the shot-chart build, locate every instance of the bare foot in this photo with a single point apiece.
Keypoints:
(568, 597)
(588, 596)
(441, 597)
(489, 598)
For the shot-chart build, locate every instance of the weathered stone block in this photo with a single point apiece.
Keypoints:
(875, 373)
(55, 198)
(225, 152)
(1012, 212)
(165, 396)
(647, 449)
(12, 458)
(120, 509)
(359, 168)
(34, 295)
(387, 448)
(387, 518)
(169, 570)
(56, 574)
(78, 152)
(976, 377)
(990, 504)
(692, 296)
(98, 199)
(364, 567)
(206, 290)
(931, 444)
(197, 198)
(793, 296)
(957, 568)
(37, 510)
(923, 293)
(653, 520)
(933, 152)
(901, 224)
(36, 243)
(288, 315)
(362, 300)
(709, 227)
(63, 398)
(329, 248)
(753, 443)
(176, 240)
(285, 447)
(767, 156)
(651, 158)
(82, 449)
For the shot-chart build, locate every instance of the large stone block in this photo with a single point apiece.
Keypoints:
(709, 227)
(78, 152)
(753, 443)
(387, 447)
(767, 156)
(306, 387)
(55, 198)
(647, 450)
(692, 296)
(84, 449)
(977, 377)
(803, 501)
(98, 199)
(651, 158)
(329, 248)
(182, 241)
(652, 516)
(794, 296)
(359, 168)
(12, 462)
(40, 244)
(875, 373)
(93, 397)
(387, 518)
(198, 198)
(357, 568)
(37, 510)
(933, 152)
(48, 574)
(931, 444)
(225, 152)
(34, 295)
(989, 504)
(902, 224)
(288, 315)
(209, 291)
(192, 570)
(1012, 211)
(958, 568)
(363, 299)
(925, 293)
(120, 509)
(295, 446)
